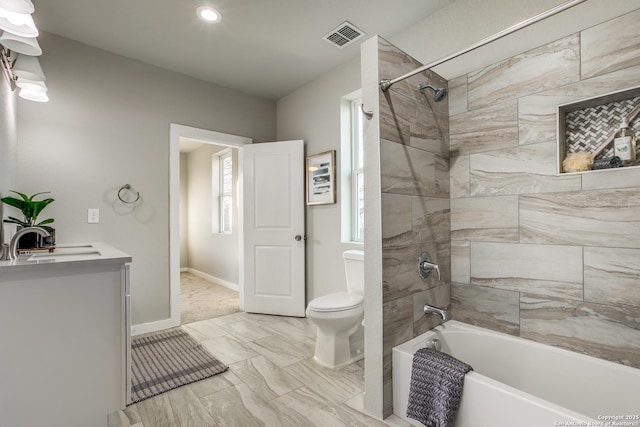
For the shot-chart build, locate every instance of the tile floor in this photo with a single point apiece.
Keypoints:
(272, 381)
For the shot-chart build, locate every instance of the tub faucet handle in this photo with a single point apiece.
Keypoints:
(425, 265)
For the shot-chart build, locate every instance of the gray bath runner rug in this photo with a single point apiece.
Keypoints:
(167, 360)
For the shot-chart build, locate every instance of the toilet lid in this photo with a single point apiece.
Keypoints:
(336, 302)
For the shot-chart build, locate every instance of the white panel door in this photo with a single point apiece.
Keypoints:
(274, 246)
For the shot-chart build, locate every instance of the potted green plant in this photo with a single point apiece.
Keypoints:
(30, 208)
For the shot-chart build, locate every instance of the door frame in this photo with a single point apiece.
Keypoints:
(177, 131)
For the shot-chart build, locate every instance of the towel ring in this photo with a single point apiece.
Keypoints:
(127, 187)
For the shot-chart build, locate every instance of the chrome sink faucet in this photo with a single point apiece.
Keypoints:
(13, 246)
(442, 312)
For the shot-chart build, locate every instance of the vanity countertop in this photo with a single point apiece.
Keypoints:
(67, 255)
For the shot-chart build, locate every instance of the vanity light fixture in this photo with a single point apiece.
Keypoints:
(20, 24)
(17, 6)
(18, 44)
(209, 14)
(19, 48)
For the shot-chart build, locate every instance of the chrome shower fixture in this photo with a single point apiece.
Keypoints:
(438, 93)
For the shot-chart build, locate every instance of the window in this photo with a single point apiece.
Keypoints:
(222, 191)
(357, 172)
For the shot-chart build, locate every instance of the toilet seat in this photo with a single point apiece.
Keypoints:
(339, 301)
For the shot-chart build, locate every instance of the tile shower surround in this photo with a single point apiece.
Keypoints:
(414, 159)
(555, 259)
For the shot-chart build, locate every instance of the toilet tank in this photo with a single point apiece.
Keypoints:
(354, 270)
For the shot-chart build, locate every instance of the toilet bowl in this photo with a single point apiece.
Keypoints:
(338, 316)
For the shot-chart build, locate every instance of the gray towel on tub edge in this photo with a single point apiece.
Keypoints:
(436, 387)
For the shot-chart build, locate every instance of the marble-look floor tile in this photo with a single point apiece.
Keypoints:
(228, 350)
(223, 320)
(214, 384)
(307, 347)
(188, 411)
(260, 372)
(156, 411)
(604, 331)
(547, 270)
(244, 331)
(277, 350)
(240, 406)
(288, 332)
(612, 276)
(303, 324)
(203, 330)
(335, 386)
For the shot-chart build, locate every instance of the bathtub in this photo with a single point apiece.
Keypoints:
(518, 382)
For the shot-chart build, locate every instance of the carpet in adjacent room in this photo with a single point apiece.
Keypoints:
(201, 299)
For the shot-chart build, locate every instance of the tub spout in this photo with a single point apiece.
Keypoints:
(442, 312)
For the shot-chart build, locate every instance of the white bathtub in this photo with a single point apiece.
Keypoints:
(518, 382)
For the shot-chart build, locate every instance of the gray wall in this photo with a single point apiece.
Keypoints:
(107, 124)
(213, 254)
(184, 211)
(8, 141)
(414, 185)
(549, 258)
(312, 113)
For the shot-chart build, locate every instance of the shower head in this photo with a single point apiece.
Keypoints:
(438, 93)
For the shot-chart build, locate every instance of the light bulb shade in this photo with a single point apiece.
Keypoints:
(18, 6)
(31, 86)
(33, 96)
(24, 45)
(20, 24)
(28, 68)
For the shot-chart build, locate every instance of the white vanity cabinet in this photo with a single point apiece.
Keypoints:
(64, 339)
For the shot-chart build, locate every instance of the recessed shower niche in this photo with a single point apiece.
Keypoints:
(589, 125)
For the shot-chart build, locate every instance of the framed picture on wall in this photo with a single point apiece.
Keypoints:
(321, 178)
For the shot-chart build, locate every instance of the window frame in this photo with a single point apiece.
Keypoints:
(357, 169)
(223, 193)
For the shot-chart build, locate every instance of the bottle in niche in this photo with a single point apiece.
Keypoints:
(624, 144)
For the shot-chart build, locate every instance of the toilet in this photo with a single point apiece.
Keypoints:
(338, 316)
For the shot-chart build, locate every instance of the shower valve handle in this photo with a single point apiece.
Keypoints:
(425, 266)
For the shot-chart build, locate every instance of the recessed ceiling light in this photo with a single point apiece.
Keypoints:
(209, 14)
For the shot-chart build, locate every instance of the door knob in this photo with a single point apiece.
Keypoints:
(298, 237)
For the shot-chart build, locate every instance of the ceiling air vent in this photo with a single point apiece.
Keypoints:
(343, 35)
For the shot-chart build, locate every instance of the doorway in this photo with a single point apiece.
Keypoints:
(191, 135)
(209, 243)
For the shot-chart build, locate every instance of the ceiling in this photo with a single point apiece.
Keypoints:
(266, 48)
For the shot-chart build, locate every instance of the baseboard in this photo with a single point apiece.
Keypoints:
(222, 282)
(145, 328)
(184, 269)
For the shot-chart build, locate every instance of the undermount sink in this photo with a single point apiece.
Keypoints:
(66, 253)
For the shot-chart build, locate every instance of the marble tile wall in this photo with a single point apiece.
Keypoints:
(550, 258)
(415, 185)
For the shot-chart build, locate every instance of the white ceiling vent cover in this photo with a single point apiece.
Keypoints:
(343, 35)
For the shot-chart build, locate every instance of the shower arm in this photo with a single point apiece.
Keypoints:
(387, 83)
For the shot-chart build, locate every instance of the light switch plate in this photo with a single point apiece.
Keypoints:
(93, 216)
